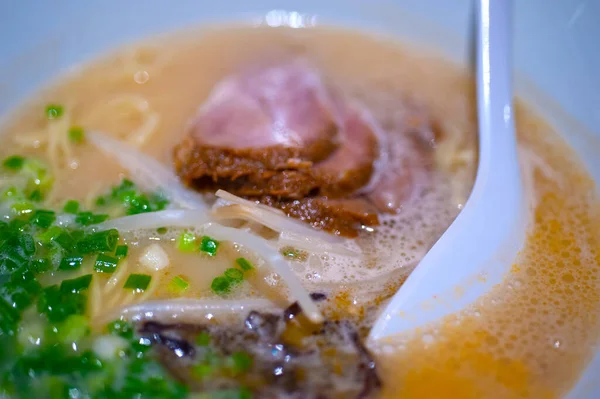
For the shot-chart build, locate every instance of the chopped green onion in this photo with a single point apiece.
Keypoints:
(26, 243)
(186, 242)
(73, 329)
(76, 284)
(36, 195)
(101, 241)
(221, 285)
(71, 206)
(14, 163)
(234, 275)
(178, 284)
(88, 218)
(244, 264)
(11, 192)
(100, 201)
(121, 251)
(65, 240)
(43, 218)
(76, 134)
(58, 304)
(73, 262)
(105, 263)
(203, 339)
(40, 265)
(54, 111)
(162, 230)
(22, 208)
(209, 245)
(121, 328)
(138, 282)
(241, 362)
(202, 370)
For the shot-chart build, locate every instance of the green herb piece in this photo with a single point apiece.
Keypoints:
(186, 242)
(73, 329)
(241, 363)
(138, 282)
(202, 370)
(105, 263)
(76, 285)
(22, 208)
(234, 275)
(89, 218)
(244, 264)
(14, 163)
(11, 192)
(100, 201)
(43, 218)
(65, 240)
(101, 241)
(73, 262)
(36, 195)
(221, 285)
(209, 245)
(178, 284)
(71, 206)
(203, 339)
(54, 111)
(58, 304)
(76, 134)
(121, 251)
(162, 230)
(40, 265)
(121, 328)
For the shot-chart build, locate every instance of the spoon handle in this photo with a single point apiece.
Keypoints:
(497, 141)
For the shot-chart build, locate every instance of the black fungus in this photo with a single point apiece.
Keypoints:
(332, 363)
(163, 334)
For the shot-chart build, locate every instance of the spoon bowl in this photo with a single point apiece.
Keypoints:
(478, 249)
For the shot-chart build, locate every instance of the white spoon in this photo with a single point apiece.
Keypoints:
(478, 249)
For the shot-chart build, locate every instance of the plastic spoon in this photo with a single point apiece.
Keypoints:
(478, 249)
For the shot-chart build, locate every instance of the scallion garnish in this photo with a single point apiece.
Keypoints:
(221, 285)
(162, 230)
(209, 246)
(100, 241)
(121, 328)
(203, 339)
(76, 134)
(179, 284)
(54, 111)
(105, 263)
(244, 264)
(121, 251)
(186, 242)
(22, 208)
(138, 282)
(76, 285)
(71, 206)
(14, 162)
(43, 218)
(11, 192)
(72, 262)
(36, 195)
(89, 218)
(234, 275)
(241, 362)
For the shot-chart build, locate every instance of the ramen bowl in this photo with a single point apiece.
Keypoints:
(556, 54)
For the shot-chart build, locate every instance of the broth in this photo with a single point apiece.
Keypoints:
(530, 337)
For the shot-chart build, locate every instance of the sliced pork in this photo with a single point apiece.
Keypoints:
(276, 118)
(282, 135)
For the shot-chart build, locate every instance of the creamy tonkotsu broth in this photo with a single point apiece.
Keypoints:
(120, 280)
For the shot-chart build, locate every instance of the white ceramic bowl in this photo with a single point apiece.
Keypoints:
(557, 54)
